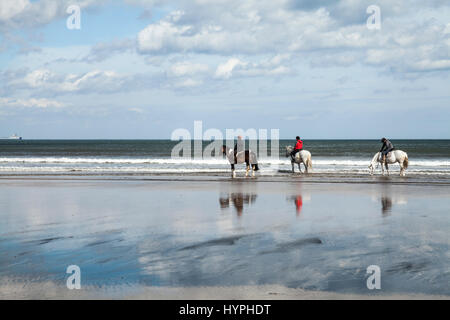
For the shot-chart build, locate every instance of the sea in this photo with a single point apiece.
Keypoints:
(150, 157)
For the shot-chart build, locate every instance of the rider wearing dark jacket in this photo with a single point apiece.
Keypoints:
(298, 147)
(386, 148)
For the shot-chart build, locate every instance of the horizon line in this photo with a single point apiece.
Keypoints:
(165, 139)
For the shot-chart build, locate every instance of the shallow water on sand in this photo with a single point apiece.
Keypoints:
(221, 233)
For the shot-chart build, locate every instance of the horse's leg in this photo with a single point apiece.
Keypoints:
(292, 163)
(233, 173)
(299, 167)
(402, 169)
(247, 162)
(405, 164)
(387, 168)
(382, 169)
(253, 170)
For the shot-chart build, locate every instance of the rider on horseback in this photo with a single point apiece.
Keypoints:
(386, 148)
(298, 147)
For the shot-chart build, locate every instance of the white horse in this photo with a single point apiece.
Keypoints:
(392, 157)
(303, 156)
(247, 156)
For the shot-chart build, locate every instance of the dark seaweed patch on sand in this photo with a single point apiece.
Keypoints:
(227, 241)
(47, 240)
(286, 246)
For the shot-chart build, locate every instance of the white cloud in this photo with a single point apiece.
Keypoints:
(188, 68)
(104, 50)
(160, 36)
(171, 34)
(146, 3)
(428, 65)
(11, 8)
(187, 83)
(225, 70)
(47, 81)
(203, 40)
(303, 29)
(137, 110)
(24, 13)
(30, 103)
(38, 78)
(267, 67)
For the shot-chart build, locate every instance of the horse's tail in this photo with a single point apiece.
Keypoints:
(309, 162)
(405, 162)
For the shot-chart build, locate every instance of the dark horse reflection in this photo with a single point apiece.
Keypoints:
(386, 205)
(238, 199)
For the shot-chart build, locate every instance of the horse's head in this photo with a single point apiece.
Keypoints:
(288, 151)
(373, 163)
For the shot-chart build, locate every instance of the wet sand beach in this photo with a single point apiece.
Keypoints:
(50, 290)
(156, 237)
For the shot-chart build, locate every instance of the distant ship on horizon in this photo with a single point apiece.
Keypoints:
(13, 137)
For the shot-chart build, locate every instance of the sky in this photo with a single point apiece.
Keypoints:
(140, 69)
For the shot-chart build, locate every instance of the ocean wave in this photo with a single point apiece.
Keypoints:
(210, 161)
(268, 171)
(108, 170)
(77, 160)
(135, 165)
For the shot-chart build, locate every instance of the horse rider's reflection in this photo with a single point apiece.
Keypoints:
(298, 201)
(238, 200)
(298, 204)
